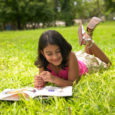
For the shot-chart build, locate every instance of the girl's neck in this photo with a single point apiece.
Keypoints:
(55, 68)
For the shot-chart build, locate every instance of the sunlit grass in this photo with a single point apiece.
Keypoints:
(94, 94)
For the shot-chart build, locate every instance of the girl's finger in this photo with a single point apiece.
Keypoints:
(39, 78)
(43, 77)
(43, 73)
(39, 83)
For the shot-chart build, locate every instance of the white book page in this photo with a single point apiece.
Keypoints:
(54, 91)
(9, 94)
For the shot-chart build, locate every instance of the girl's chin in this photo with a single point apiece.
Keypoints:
(56, 64)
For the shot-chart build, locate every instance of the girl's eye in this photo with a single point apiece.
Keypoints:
(49, 54)
(58, 51)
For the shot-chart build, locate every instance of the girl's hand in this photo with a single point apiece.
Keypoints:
(46, 76)
(39, 82)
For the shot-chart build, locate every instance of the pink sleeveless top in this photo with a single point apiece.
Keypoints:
(64, 73)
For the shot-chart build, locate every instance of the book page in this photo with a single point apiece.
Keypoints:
(16, 94)
(26, 93)
(54, 91)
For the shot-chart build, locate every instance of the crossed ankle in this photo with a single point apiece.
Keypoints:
(90, 34)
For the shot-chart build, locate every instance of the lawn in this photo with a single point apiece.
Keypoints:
(93, 95)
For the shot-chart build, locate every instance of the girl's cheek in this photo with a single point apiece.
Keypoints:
(60, 55)
(48, 57)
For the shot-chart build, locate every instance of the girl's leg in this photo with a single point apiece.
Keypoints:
(96, 51)
(87, 50)
(91, 48)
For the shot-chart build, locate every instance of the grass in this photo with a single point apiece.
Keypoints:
(93, 95)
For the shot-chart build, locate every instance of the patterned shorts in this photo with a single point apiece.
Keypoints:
(93, 63)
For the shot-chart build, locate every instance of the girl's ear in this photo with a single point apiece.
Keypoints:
(42, 52)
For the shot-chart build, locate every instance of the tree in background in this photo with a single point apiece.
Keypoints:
(109, 8)
(67, 11)
(21, 12)
(110, 4)
(39, 12)
(89, 8)
(13, 11)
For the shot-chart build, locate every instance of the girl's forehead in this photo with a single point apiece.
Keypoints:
(51, 47)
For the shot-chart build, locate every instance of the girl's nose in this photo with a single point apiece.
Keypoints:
(55, 56)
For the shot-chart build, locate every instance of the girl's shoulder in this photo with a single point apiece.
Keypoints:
(72, 55)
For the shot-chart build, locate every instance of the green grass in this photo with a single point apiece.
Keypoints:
(93, 95)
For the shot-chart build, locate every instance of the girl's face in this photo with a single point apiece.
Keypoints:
(52, 54)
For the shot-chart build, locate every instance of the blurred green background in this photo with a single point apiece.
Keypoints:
(31, 14)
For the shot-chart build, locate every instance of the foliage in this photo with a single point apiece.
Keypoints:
(86, 9)
(68, 11)
(93, 95)
(39, 12)
(25, 11)
(19, 13)
(13, 11)
(110, 4)
(109, 8)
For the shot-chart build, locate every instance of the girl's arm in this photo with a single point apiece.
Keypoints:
(73, 73)
(61, 82)
(48, 77)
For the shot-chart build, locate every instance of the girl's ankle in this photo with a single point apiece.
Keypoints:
(90, 43)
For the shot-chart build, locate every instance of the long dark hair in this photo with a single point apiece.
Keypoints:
(54, 38)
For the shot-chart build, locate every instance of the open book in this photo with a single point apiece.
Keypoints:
(26, 93)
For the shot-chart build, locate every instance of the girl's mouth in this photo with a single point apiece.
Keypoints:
(56, 60)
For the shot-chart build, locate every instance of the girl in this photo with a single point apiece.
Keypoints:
(59, 65)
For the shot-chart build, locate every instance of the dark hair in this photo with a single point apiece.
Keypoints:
(54, 38)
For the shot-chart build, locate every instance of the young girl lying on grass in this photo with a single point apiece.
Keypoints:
(59, 65)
